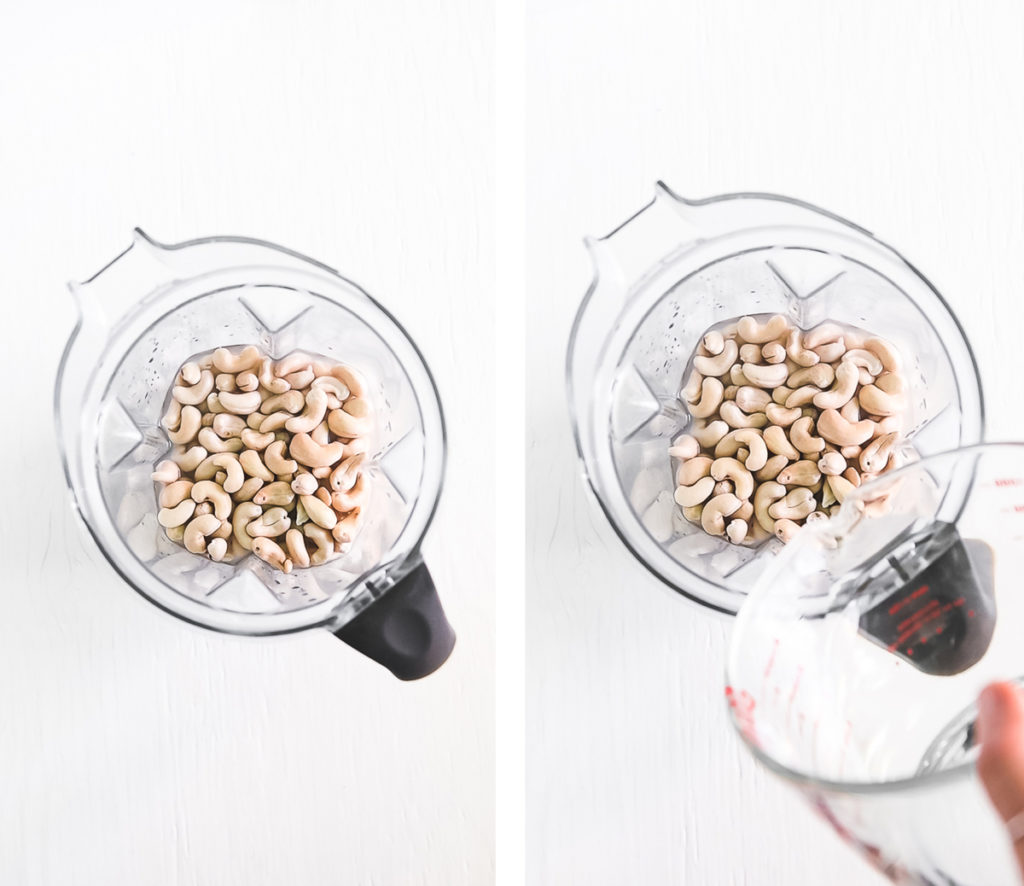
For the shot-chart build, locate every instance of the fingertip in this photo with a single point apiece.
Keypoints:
(1000, 708)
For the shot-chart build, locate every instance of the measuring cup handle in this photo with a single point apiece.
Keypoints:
(405, 630)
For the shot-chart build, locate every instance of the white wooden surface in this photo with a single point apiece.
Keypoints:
(901, 116)
(135, 749)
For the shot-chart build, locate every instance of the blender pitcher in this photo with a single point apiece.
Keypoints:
(856, 661)
(154, 307)
(678, 267)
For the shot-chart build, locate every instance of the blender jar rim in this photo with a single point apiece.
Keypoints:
(327, 613)
(580, 424)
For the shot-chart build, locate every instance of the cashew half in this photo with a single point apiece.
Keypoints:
(749, 329)
(193, 395)
(737, 418)
(786, 529)
(270, 552)
(847, 379)
(836, 429)
(319, 513)
(207, 490)
(832, 464)
(731, 469)
(767, 376)
(188, 427)
(719, 364)
(197, 530)
(737, 531)
(800, 434)
(712, 518)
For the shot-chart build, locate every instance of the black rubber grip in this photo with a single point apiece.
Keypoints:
(405, 630)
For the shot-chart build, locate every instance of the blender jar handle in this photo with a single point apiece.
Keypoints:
(405, 630)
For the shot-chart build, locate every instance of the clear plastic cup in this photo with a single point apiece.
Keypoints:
(679, 267)
(856, 661)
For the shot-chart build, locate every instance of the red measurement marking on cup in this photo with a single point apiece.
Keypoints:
(793, 691)
(742, 704)
(771, 659)
(846, 745)
(1008, 481)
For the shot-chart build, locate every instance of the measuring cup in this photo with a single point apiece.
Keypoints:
(678, 267)
(856, 660)
(154, 307)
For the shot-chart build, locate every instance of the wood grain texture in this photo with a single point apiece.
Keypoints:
(904, 117)
(137, 749)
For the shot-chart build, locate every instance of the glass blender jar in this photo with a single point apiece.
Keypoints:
(857, 659)
(678, 267)
(154, 307)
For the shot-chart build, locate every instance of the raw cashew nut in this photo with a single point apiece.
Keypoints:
(800, 434)
(277, 493)
(272, 523)
(253, 465)
(188, 428)
(247, 381)
(207, 490)
(176, 516)
(255, 439)
(712, 392)
(802, 396)
(786, 529)
(837, 430)
(777, 442)
(174, 493)
(684, 447)
(878, 402)
(240, 403)
(749, 329)
(322, 539)
(719, 364)
(247, 359)
(840, 487)
(289, 401)
(249, 489)
(832, 464)
(270, 381)
(801, 473)
(313, 413)
(737, 418)
(712, 518)
(713, 343)
(751, 399)
(197, 530)
(228, 462)
(772, 468)
(780, 415)
(691, 391)
(847, 379)
(731, 469)
(227, 425)
(296, 544)
(767, 376)
(688, 496)
(863, 359)
(319, 513)
(765, 497)
(886, 353)
(346, 475)
(193, 395)
(210, 441)
(891, 383)
(876, 454)
(217, 548)
(737, 377)
(737, 531)
(757, 455)
(225, 382)
(333, 386)
(274, 459)
(166, 472)
(749, 354)
(304, 484)
(692, 470)
(774, 352)
(245, 513)
(826, 333)
(710, 435)
(796, 505)
(851, 411)
(832, 351)
(270, 552)
(821, 375)
(781, 394)
(309, 453)
(797, 352)
(188, 459)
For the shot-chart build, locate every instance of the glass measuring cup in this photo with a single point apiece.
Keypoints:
(678, 267)
(154, 307)
(857, 659)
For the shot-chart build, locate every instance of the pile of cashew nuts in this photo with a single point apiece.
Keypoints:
(268, 457)
(786, 423)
